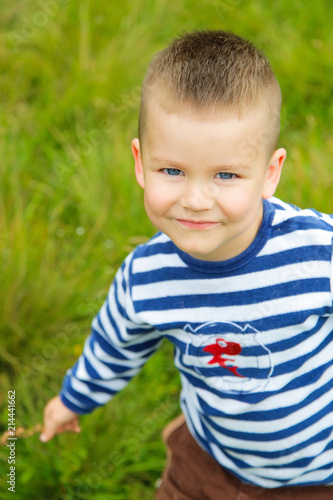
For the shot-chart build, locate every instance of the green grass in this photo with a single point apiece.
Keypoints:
(70, 209)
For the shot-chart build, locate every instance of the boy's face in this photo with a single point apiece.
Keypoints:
(204, 180)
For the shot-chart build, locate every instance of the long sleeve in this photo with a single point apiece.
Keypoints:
(115, 351)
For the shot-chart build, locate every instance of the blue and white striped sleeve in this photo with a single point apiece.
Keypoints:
(114, 352)
(331, 276)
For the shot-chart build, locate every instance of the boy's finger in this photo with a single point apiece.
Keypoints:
(77, 428)
(46, 436)
(48, 432)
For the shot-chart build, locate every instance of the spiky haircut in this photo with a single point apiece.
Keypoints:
(214, 72)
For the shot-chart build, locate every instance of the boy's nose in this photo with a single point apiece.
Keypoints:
(198, 197)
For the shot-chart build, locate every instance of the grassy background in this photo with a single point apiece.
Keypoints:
(70, 209)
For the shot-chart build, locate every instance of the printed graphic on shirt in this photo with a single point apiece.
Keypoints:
(223, 347)
(230, 358)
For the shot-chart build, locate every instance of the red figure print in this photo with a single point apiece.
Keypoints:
(221, 347)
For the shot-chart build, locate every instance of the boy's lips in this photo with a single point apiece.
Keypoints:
(192, 224)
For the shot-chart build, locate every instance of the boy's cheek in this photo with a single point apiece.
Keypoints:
(158, 198)
(153, 204)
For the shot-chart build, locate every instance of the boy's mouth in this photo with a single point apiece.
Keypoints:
(192, 224)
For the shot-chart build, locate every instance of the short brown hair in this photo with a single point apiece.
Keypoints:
(210, 71)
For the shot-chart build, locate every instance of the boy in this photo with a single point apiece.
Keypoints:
(238, 280)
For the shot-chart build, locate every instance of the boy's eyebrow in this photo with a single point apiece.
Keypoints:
(222, 168)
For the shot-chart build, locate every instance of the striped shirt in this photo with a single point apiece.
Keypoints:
(253, 345)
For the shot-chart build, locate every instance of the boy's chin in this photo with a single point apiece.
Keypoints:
(201, 253)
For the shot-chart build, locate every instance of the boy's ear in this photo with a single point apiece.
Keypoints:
(274, 172)
(138, 162)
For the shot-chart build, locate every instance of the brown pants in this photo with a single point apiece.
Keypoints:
(192, 474)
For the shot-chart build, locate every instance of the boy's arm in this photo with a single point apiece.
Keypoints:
(113, 354)
(58, 418)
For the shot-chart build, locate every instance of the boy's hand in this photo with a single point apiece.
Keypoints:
(58, 418)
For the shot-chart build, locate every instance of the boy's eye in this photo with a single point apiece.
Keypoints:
(225, 175)
(172, 171)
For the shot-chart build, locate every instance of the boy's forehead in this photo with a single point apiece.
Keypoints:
(249, 130)
(159, 109)
(163, 104)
